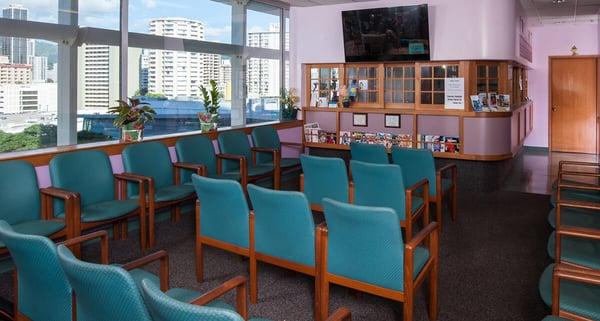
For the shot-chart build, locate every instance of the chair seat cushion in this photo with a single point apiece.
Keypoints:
(577, 195)
(171, 193)
(106, 210)
(570, 182)
(259, 170)
(37, 227)
(576, 250)
(575, 217)
(285, 162)
(575, 297)
(228, 175)
(554, 318)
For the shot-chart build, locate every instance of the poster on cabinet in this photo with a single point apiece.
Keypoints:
(455, 93)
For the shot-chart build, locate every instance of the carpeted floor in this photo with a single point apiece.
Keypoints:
(491, 259)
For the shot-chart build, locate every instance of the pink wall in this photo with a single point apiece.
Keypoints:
(553, 41)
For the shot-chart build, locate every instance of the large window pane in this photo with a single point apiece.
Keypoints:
(103, 14)
(263, 83)
(28, 98)
(32, 10)
(197, 19)
(263, 26)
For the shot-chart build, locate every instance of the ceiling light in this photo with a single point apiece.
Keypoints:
(558, 1)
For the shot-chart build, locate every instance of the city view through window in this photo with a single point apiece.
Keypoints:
(168, 80)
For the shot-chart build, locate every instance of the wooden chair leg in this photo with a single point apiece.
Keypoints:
(124, 231)
(433, 292)
(174, 214)
(438, 210)
(277, 180)
(253, 279)
(408, 305)
(199, 262)
(116, 231)
(324, 305)
(143, 231)
(151, 236)
(454, 205)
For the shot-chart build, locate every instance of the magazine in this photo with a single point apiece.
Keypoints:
(476, 103)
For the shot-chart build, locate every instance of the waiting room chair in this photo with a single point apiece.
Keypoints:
(571, 292)
(383, 186)
(267, 137)
(418, 164)
(352, 255)
(569, 190)
(200, 150)
(324, 177)
(282, 233)
(222, 218)
(574, 166)
(152, 162)
(369, 153)
(101, 194)
(27, 208)
(237, 154)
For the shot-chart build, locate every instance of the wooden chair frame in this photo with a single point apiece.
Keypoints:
(341, 314)
(204, 240)
(421, 212)
(571, 231)
(440, 195)
(429, 236)
(301, 268)
(244, 177)
(319, 208)
(47, 194)
(300, 147)
(565, 272)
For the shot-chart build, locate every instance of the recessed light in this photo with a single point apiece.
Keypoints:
(558, 1)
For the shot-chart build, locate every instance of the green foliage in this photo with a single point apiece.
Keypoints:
(288, 101)
(134, 114)
(211, 98)
(41, 136)
(157, 96)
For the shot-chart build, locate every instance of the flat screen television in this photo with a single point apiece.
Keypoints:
(386, 34)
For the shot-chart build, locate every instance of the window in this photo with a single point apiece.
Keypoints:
(324, 85)
(263, 26)
(208, 20)
(433, 83)
(363, 84)
(263, 90)
(28, 98)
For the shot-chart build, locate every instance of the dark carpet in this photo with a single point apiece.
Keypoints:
(491, 259)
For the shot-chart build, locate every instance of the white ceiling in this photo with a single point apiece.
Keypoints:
(310, 3)
(570, 11)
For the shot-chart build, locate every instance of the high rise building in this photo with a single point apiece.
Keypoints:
(143, 61)
(262, 79)
(98, 74)
(179, 74)
(39, 67)
(17, 49)
(15, 74)
(225, 79)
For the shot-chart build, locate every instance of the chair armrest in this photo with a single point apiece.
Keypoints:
(241, 159)
(274, 151)
(410, 215)
(571, 173)
(131, 177)
(563, 163)
(291, 144)
(341, 314)
(134, 178)
(578, 204)
(71, 202)
(164, 266)
(102, 235)
(58, 193)
(424, 184)
(429, 231)
(198, 168)
(446, 168)
(239, 284)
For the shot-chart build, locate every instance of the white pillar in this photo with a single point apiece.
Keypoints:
(67, 77)
(238, 63)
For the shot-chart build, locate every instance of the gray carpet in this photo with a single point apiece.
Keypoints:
(491, 260)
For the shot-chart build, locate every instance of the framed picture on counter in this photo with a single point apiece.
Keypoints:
(360, 119)
(392, 121)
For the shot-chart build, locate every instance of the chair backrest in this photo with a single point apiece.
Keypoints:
(234, 142)
(43, 289)
(369, 153)
(19, 192)
(224, 212)
(148, 159)
(379, 185)
(196, 150)
(416, 165)
(87, 172)
(365, 244)
(283, 225)
(164, 308)
(324, 177)
(102, 292)
(265, 136)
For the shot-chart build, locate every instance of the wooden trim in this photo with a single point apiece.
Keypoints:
(41, 157)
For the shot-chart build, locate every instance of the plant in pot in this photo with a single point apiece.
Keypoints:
(288, 101)
(131, 118)
(344, 97)
(212, 100)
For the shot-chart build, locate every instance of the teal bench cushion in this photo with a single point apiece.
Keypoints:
(576, 195)
(575, 217)
(576, 250)
(171, 193)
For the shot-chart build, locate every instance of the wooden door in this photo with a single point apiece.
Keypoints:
(573, 104)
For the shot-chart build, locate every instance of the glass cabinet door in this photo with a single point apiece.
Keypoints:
(399, 85)
(324, 86)
(363, 84)
(433, 83)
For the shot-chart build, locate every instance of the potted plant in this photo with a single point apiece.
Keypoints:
(212, 100)
(344, 96)
(131, 118)
(288, 101)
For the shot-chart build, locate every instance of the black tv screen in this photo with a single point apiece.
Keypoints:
(386, 34)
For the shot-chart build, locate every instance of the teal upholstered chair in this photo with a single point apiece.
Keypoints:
(89, 174)
(573, 191)
(324, 177)
(267, 137)
(152, 161)
(42, 290)
(369, 153)
(237, 154)
(200, 150)
(418, 164)
(383, 186)
(25, 207)
(222, 218)
(282, 232)
(362, 248)
(572, 292)
(554, 318)
(577, 168)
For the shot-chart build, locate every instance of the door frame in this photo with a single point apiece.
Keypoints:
(550, 102)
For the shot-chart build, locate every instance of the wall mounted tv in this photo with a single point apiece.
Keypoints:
(386, 34)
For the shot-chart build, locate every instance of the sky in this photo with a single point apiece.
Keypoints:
(105, 14)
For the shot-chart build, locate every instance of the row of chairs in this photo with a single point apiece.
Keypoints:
(86, 194)
(571, 285)
(359, 247)
(52, 284)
